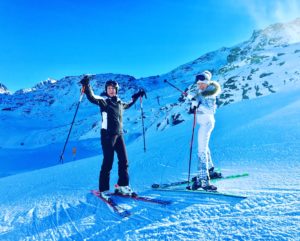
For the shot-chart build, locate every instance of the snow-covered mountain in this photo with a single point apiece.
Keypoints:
(40, 117)
(260, 66)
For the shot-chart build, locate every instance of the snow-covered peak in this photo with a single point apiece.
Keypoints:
(277, 35)
(40, 85)
(3, 89)
(49, 81)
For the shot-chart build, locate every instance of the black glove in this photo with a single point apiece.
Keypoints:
(141, 93)
(85, 80)
(192, 109)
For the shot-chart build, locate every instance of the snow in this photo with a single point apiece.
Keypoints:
(259, 136)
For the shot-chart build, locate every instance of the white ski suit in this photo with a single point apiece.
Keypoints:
(205, 101)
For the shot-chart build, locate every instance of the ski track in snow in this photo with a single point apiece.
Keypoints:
(195, 218)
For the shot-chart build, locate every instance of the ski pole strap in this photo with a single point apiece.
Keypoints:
(82, 93)
(141, 101)
(82, 89)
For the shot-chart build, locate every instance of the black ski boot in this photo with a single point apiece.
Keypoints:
(203, 184)
(213, 174)
(194, 179)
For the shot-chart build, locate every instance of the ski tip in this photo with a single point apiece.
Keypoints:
(125, 214)
(155, 185)
(166, 203)
(96, 192)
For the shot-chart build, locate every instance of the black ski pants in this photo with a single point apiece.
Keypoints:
(111, 144)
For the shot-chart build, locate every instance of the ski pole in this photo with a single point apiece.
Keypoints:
(183, 92)
(142, 114)
(61, 160)
(191, 149)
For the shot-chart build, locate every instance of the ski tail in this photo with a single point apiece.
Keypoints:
(112, 205)
(245, 174)
(174, 184)
(216, 193)
(166, 185)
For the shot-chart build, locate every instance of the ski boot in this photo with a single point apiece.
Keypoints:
(213, 174)
(203, 184)
(194, 179)
(124, 190)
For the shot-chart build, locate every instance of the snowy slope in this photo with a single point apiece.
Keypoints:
(260, 136)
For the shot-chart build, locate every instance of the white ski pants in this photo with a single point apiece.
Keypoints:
(206, 125)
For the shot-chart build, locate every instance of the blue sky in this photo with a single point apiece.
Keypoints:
(42, 39)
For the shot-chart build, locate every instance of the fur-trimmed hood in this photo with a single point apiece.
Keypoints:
(213, 89)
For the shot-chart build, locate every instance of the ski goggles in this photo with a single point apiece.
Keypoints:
(111, 83)
(200, 77)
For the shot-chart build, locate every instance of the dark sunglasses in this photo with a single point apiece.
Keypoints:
(200, 77)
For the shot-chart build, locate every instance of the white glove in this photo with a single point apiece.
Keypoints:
(189, 97)
(194, 104)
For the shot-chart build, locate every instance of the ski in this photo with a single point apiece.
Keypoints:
(113, 205)
(167, 185)
(144, 199)
(230, 177)
(200, 192)
(173, 184)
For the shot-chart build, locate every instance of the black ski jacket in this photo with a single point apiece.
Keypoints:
(111, 109)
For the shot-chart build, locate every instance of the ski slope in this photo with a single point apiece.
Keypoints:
(260, 136)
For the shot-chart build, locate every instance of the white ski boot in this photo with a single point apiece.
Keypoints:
(124, 190)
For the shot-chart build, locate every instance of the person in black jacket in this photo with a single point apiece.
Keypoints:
(112, 108)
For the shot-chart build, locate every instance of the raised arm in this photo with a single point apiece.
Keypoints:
(95, 99)
(134, 98)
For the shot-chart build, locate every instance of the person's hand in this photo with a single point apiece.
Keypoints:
(85, 80)
(194, 105)
(188, 96)
(141, 93)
